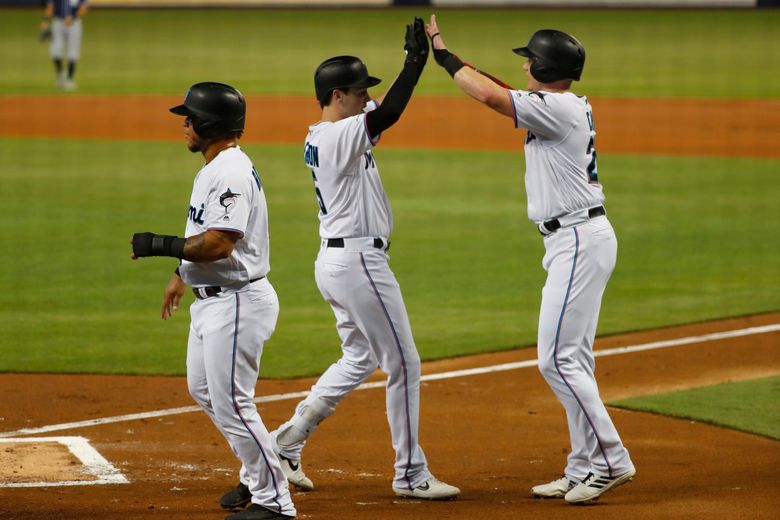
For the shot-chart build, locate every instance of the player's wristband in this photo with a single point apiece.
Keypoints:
(149, 244)
(440, 55)
(449, 61)
(452, 64)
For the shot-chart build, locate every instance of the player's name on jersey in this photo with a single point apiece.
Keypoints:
(311, 156)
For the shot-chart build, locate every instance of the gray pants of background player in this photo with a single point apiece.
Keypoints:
(63, 36)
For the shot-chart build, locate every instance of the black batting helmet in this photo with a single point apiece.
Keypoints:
(556, 55)
(341, 72)
(215, 109)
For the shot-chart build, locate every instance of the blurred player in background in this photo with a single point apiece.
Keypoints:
(62, 23)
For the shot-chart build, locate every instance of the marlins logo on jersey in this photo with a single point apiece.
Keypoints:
(226, 200)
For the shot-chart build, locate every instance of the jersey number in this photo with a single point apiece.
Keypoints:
(319, 194)
(593, 173)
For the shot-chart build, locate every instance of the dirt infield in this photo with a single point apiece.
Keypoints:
(730, 128)
(494, 435)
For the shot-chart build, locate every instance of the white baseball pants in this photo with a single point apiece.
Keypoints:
(227, 333)
(374, 328)
(65, 35)
(579, 261)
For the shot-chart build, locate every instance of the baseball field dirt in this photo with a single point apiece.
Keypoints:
(494, 435)
(737, 128)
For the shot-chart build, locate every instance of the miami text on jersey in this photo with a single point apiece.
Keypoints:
(197, 216)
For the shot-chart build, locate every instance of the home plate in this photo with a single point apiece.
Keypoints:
(54, 461)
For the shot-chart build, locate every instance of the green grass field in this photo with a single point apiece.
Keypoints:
(466, 257)
(696, 53)
(699, 237)
(750, 406)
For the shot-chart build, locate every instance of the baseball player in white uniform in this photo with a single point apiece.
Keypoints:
(62, 20)
(352, 270)
(565, 201)
(225, 258)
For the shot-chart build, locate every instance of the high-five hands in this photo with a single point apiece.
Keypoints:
(433, 33)
(416, 44)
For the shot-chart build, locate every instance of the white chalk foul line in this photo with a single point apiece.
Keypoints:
(94, 464)
(429, 377)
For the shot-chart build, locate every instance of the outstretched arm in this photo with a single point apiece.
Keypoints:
(397, 97)
(484, 89)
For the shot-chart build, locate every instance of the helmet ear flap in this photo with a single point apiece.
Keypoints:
(542, 72)
(208, 129)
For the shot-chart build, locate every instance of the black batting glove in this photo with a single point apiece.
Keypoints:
(149, 244)
(422, 40)
(414, 52)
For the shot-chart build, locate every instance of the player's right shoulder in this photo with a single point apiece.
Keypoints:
(334, 132)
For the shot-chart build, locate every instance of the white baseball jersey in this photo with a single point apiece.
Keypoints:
(227, 195)
(352, 200)
(561, 175)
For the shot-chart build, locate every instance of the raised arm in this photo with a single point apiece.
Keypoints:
(484, 88)
(397, 97)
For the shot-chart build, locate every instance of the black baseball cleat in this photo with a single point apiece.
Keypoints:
(256, 512)
(236, 498)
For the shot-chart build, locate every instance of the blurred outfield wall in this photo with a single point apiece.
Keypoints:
(440, 3)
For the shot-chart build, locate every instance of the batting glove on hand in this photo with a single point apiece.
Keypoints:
(422, 40)
(45, 34)
(415, 52)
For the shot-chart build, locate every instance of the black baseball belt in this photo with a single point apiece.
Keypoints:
(554, 225)
(202, 293)
(339, 242)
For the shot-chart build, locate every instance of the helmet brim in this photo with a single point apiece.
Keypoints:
(523, 51)
(369, 82)
(181, 110)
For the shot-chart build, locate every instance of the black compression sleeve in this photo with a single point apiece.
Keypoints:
(396, 99)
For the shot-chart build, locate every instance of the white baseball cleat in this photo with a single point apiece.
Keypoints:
(555, 489)
(69, 85)
(295, 475)
(594, 486)
(431, 489)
